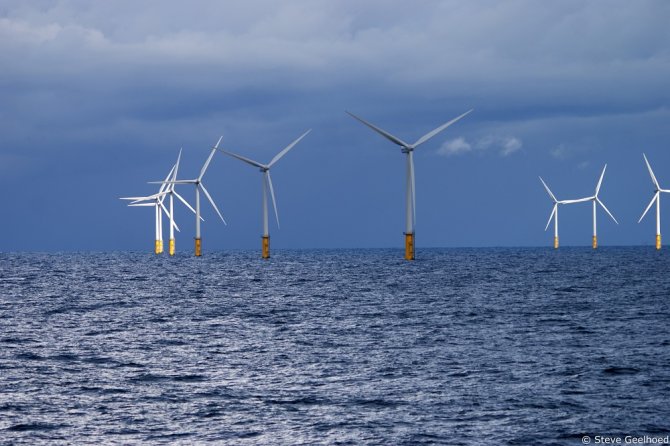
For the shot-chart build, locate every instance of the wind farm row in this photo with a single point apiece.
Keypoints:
(168, 185)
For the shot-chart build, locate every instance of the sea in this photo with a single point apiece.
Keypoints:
(499, 346)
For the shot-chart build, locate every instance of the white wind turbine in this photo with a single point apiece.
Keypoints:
(554, 213)
(198, 187)
(267, 184)
(596, 201)
(170, 190)
(408, 149)
(156, 200)
(656, 198)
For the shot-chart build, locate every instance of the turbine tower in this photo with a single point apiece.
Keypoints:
(198, 187)
(408, 149)
(656, 198)
(594, 199)
(267, 184)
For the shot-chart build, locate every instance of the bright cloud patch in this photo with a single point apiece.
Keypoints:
(503, 145)
(454, 147)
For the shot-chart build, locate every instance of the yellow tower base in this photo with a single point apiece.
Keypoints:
(198, 247)
(158, 247)
(171, 248)
(595, 242)
(658, 241)
(266, 246)
(555, 242)
(409, 246)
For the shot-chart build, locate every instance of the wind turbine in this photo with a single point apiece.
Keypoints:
(267, 184)
(554, 213)
(657, 199)
(170, 190)
(596, 201)
(198, 187)
(408, 149)
(156, 200)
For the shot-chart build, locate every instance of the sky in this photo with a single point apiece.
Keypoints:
(97, 98)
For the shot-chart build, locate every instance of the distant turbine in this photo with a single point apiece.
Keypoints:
(594, 198)
(156, 200)
(170, 190)
(267, 184)
(554, 213)
(656, 198)
(408, 149)
(199, 186)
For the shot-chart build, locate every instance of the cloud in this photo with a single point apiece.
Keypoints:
(503, 145)
(510, 145)
(454, 147)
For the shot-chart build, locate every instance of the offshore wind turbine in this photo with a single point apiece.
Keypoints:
(656, 198)
(198, 187)
(408, 149)
(554, 213)
(172, 193)
(594, 199)
(156, 200)
(267, 184)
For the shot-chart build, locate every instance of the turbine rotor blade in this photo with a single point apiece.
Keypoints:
(142, 204)
(176, 168)
(580, 200)
(606, 210)
(184, 201)
(384, 133)
(429, 135)
(164, 184)
(209, 160)
(167, 213)
(287, 148)
(649, 206)
(600, 181)
(651, 172)
(268, 179)
(553, 211)
(174, 182)
(548, 190)
(242, 158)
(209, 197)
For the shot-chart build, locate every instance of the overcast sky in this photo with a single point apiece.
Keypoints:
(98, 97)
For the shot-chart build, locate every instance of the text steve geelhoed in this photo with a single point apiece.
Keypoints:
(630, 439)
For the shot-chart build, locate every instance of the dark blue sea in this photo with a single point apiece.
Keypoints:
(349, 347)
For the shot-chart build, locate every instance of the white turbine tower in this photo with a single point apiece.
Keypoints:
(408, 149)
(198, 187)
(267, 184)
(156, 200)
(656, 198)
(596, 201)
